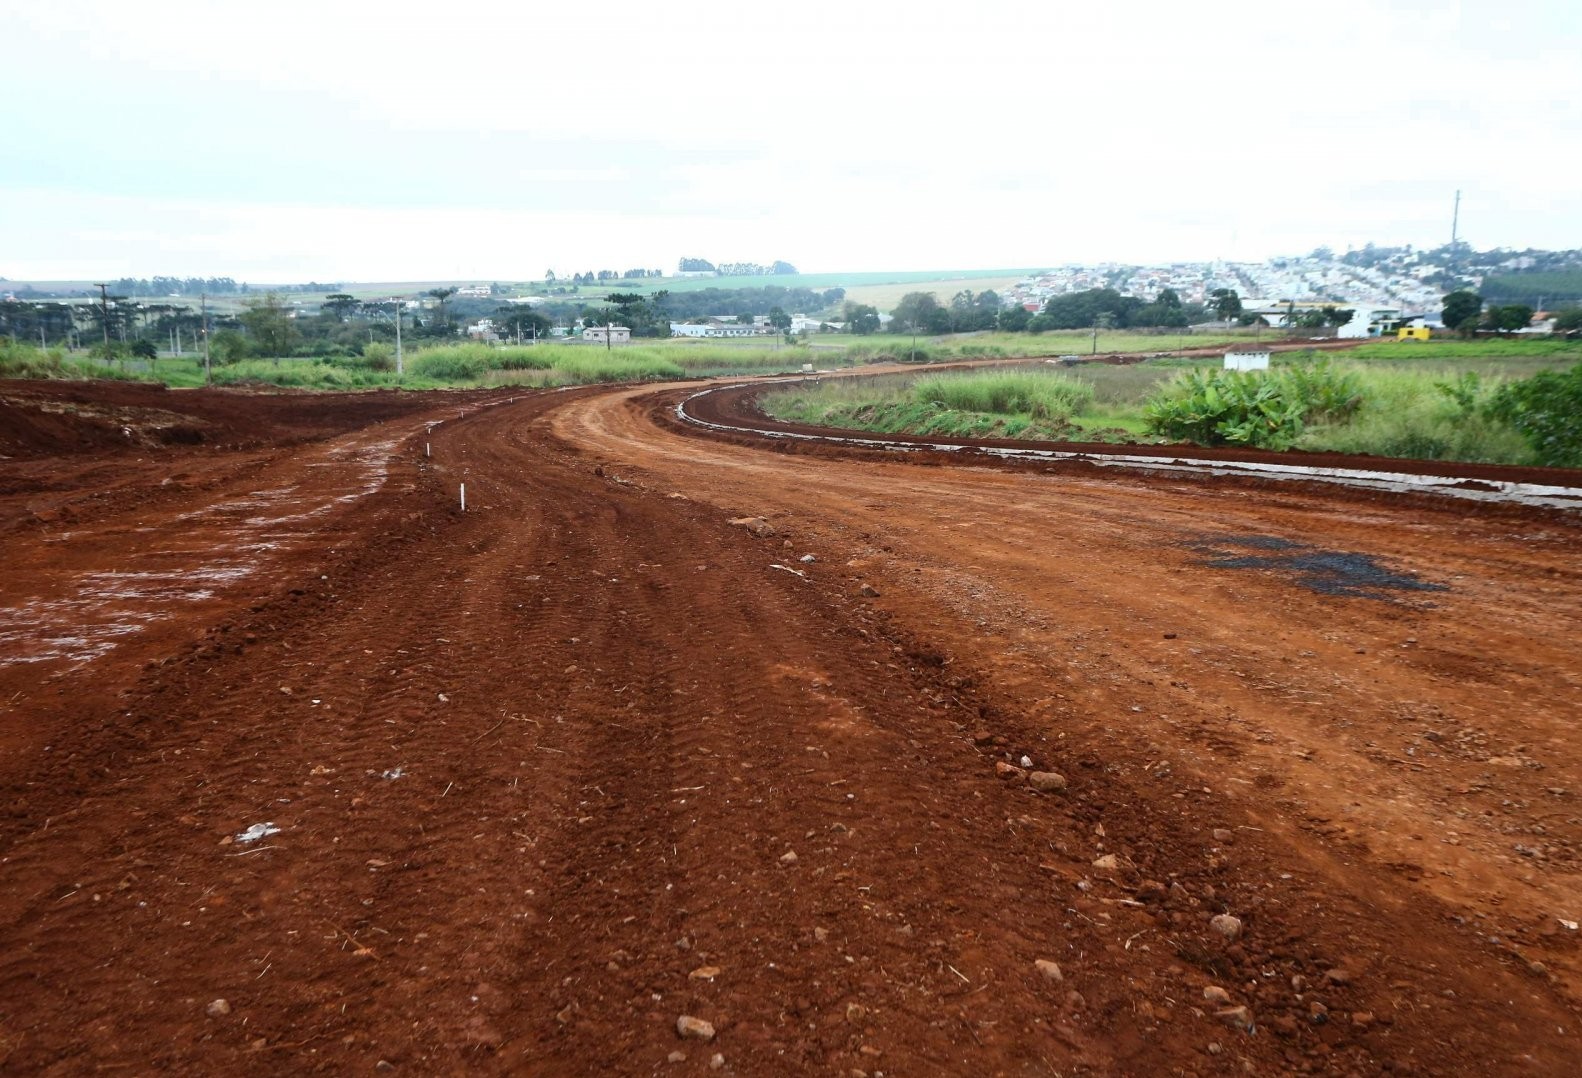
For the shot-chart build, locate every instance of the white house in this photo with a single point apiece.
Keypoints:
(1370, 322)
(713, 329)
(801, 323)
(1247, 360)
(608, 334)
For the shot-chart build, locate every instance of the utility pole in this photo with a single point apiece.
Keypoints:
(208, 369)
(104, 314)
(400, 367)
(609, 328)
(1455, 223)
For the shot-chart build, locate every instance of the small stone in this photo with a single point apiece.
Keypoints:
(788, 858)
(1215, 994)
(807, 559)
(982, 737)
(1076, 1000)
(1338, 976)
(870, 592)
(1046, 781)
(1150, 891)
(716, 1061)
(1214, 1048)
(1362, 1019)
(756, 525)
(1227, 926)
(1050, 970)
(1223, 836)
(678, 1056)
(1169, 636)
(821, 934)
(1317, 1013)
(1108, 863)
(218, 1008)
(563, 1016)
(1538, 968)
(696, 1028)
(1008, 771)
(855, 1012)
(704, 973)
(1236, 1017)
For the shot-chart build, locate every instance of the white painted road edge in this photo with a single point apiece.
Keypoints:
(1481, 490)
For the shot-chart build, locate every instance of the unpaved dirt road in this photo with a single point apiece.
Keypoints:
(534, 781)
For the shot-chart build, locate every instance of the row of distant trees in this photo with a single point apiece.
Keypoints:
(1468, 314)
(604, 276)
(735, 269)
(968, 312)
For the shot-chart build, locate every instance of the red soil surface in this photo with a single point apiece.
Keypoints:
(535, 772)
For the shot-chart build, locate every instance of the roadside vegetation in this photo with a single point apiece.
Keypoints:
(1522, 406)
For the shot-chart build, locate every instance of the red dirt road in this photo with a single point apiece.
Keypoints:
(542, 778)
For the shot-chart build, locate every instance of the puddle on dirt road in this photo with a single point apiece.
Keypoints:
(1329, 572)
(77, 615)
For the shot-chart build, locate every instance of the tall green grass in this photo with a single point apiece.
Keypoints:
(1417, 415)
(1031, 393)
(1457, 410)
(1560, 351)
(18, 359)
(977, 404)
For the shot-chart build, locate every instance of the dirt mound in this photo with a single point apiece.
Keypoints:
(51, 418)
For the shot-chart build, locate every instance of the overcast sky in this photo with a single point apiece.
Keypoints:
(343, 141)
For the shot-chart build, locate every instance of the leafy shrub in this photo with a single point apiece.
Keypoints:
(1255, 408)
(1547, 410)
(378, 356)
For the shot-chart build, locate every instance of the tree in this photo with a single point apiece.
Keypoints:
(143, 348)
(1512, 318)
(228, 346)
(441, 319)
(1460, 306)
(1080, 310)
(340, 305)
(269, 324)
(1569, 322)
(861, 319)
(522, 321)
(1014, 319)
(915, 312)
(1226, 304)
(780, 320)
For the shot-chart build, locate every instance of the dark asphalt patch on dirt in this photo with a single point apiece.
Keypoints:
(1328, 572)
